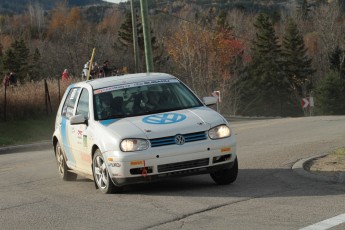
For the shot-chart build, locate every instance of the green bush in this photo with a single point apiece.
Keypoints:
(330, 94)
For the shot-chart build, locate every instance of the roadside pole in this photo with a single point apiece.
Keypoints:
(135, 38)
(58, 78)
(90, 66)
(5, 103)
(147, 37)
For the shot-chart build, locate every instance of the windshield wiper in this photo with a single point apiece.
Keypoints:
(112, 117)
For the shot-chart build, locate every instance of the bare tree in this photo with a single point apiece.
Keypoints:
(328, 30)
(37, 19)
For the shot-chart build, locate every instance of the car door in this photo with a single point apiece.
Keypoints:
(67, 131)
(80, 136)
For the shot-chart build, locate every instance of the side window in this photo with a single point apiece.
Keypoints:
(68, 107)
(83, 104)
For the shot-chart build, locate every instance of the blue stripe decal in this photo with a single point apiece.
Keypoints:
(65, 140)
(108, 122)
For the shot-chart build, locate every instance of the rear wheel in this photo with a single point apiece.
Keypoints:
(101, 174)
(62, 166)
(226, 176)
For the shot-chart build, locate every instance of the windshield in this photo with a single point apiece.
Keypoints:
(142, 98)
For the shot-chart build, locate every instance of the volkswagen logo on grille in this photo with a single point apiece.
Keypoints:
(179, 140)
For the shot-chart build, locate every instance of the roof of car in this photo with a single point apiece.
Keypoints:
(127, 78)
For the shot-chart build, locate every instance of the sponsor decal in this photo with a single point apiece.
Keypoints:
(164, 119)
(134, 163)
(225, 150)
(116, 164)
(136, 84)
(85, 140)
(86, 157)
(117, 175)
(80, 134)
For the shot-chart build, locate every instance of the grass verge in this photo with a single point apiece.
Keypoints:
(339, 152)
(26, 131)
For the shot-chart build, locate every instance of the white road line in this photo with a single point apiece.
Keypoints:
(326, 224)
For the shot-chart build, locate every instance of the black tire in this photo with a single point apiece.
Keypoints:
(101, 174)
(62, 166)
(226, 176)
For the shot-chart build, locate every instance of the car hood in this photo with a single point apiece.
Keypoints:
(165, 124)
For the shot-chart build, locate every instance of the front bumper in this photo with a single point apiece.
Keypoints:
(162, 162)
(186, 172)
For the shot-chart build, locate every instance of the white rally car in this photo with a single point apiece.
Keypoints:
(140, 127)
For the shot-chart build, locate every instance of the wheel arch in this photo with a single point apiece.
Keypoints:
(55, 141)
(93, 151)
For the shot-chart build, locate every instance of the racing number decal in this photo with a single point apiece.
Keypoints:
(164, 119)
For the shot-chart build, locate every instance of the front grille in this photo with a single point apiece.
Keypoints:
(189, 137)
(183, 165)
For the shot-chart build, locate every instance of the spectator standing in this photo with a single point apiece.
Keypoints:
(94, 70)
(100, 73)
(106, 69)
(85, 70)
(13, 79)
(65, 76)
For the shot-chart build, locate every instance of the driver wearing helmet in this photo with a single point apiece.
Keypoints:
(106, 99)
(153, 97)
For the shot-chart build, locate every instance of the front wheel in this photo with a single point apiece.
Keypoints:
(62, 166)
(226, 176)
(101, 174)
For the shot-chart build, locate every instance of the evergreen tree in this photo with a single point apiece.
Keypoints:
(126, 33)
(1, 60)
(304, 9)
(266, 54)
(297, 64)
(125, 37)
(35, 67)
(22, 55)
(9, 61)
(330, 94)
(16, 59)
(266, 82)
(337, 61)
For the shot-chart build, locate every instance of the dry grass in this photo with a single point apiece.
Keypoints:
(28, 100)
(331, 164)
(339, 153)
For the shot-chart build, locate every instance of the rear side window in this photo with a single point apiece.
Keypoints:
(68, 107)
(83, 104)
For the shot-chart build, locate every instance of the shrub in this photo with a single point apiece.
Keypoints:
(330, 95)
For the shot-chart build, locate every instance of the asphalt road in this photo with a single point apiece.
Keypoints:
(267, 194)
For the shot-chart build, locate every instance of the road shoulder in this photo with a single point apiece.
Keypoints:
(326, 167)
(27, 147)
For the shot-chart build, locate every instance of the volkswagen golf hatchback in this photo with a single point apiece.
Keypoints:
(138, 128)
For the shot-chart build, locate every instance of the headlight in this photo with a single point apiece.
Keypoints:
(131, 145)
(221, 131)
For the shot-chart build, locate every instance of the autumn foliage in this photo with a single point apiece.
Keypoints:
(206, 44)
(204, 59)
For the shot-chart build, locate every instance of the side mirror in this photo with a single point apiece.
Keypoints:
(78, 119)
(209, 101)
